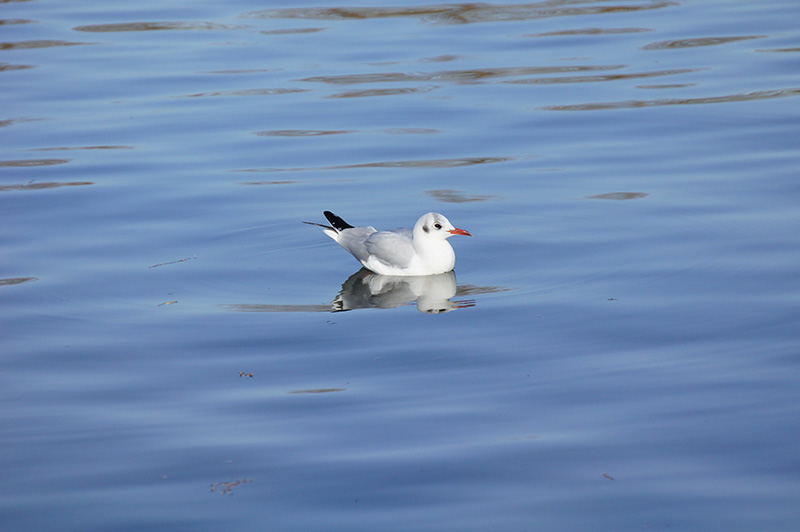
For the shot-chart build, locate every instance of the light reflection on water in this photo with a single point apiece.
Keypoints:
(432, 294)
(624, 351)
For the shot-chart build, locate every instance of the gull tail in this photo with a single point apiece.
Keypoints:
(336, 222)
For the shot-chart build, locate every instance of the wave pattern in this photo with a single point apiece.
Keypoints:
(462, 13)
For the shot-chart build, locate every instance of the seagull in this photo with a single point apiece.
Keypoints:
(423, 250)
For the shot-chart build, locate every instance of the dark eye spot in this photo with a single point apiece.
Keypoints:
(437, 225)
(425, 228)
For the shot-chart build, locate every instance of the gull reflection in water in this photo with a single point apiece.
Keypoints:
(431, 293)
(364, 289)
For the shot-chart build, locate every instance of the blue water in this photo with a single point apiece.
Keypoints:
(618, 348)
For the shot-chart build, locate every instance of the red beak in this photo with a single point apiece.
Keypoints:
(458, 231)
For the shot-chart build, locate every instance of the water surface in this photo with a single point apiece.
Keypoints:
(617, 348)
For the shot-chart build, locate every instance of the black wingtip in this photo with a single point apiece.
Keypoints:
(337, 222)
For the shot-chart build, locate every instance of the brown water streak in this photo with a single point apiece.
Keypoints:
(695, 42)
(423, 163)
(463, 13)
(42, 186)
(472, 75)
(43, 43)
(456, 196)
(26, 163)
(630, 104)
(153, 26)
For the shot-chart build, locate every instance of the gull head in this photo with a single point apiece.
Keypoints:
(436, 226)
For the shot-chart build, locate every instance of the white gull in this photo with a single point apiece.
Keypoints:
(423, 250)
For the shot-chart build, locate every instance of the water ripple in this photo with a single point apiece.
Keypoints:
(459, 76)
(456, 196)
(13, 21)
(300, 132)
(382, 92)
(589, 31)
(463, 13)
(410, 131)
(17, 280)
(771, 50)
(629, 104)
(244, 92)
(424, 163)
(154, 26)
(604, 77)
(325, 132)
(42, 186)
(41, 43)
(291, 31)
(666, 86)
(12, 121)
(7, 67)
(700, 41)
(620, 196)
(70, 148)
(25, 163)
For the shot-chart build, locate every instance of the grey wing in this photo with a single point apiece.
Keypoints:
(392, 247)
(354, 240)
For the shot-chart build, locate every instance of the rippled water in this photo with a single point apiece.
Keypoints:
(617, 348)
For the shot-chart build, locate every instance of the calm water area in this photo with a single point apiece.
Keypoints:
(618, 348)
